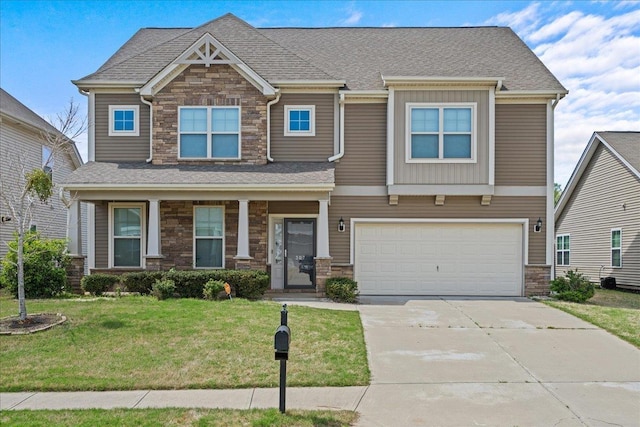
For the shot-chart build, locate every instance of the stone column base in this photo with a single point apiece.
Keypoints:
(153, 263)
(536, 280)
(323, 272)
(243, 263)
(75, 273)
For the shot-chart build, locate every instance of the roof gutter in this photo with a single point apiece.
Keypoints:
(269, 104)
(150, 104)
(341, 134)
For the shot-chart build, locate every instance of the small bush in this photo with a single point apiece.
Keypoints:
(141, 281)
(163, 289)
(573, 287)
(97, 284)
(249, 284)
(342, 289)
(213, 289)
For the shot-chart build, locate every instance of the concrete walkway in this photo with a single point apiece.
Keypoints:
(443, 362)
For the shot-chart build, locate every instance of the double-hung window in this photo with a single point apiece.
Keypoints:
(441, 133)
(209, 132)
(47, 160)
(123, 120)
(616, 247)
(562, 249)
(208, 236)
(127, 225)
(299, 120)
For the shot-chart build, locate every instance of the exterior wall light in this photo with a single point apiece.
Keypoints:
(538, 226)
(341, 226)
(5, 219)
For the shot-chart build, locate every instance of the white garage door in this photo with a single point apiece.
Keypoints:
(438, 259)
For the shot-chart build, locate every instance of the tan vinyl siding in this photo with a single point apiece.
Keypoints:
(284, 208)
(595, 207)
(424, 207)
(445, 173)
(521, 144)
(316, 148)
(102, 235)
(365, 142)
(120, 148)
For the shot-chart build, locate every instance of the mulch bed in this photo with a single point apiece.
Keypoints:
(33, 323)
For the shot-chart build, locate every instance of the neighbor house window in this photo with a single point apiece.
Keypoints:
(209, 132)
(562, 249)
(208, 236)
(123, 120)
(47, 160)
(299, 120)
(616, 247)
(440, 133)
(127, 244)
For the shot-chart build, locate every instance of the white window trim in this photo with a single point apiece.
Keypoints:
(312, 120)
(136, 120)
(143, 237)
(563, 250)
(612, 248)
(223, 238)
(48, 160)
(210, 132)
(474, 131)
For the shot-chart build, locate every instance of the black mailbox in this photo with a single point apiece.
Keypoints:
(281, 342)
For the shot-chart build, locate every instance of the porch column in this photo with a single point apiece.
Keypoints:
(243, 230)
(323, 230)
(74, 229)
(153, 239)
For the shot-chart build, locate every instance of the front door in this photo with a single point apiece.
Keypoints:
(299, 252)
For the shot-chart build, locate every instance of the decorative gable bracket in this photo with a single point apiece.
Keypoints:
(204, 52)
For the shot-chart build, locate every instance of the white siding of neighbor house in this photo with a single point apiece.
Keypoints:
(607, 196)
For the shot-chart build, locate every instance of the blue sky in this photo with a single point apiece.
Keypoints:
(593, 47)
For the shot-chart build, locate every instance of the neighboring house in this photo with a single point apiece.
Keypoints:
(598, 216)
(416, 160)
(24, 147)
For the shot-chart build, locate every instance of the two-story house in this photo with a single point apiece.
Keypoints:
(416, 160)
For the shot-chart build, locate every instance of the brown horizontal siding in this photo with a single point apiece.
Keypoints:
(284, 208)
(120, 148)
(102, 235)
(316, 148)
(365, 146)
(607, 196)
(521, 145)
(424, 207)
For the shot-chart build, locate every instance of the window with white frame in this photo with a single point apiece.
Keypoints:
(123, 120)
(299, 120)
(616, 247)
(47, 160)
(127, 243)
(562, 249)
(209, 133)
(208, 237)
(441, 133)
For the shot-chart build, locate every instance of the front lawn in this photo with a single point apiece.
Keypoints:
(176, 417)
(133, 343)
(615, 311)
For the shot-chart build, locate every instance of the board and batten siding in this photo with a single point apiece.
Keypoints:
(365, 145)
(102, 235)
(521, 145)
(316, 148)
(442, 173)
(607, 196)
(120, 148)
(346, 207)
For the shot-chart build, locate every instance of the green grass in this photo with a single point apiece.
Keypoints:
(175, 417)
(615, 311)
(133, 343)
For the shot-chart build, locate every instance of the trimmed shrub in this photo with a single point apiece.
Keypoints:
(213, 289)
(573, 287)
(249, 284)
(97, 284)
(45, 262)
(141, 281)
(163, 289)
(342, 289)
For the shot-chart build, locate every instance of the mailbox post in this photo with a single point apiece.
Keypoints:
(282, 339)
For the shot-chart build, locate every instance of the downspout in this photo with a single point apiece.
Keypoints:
(150, 104)
(341, 137)
(269, 104)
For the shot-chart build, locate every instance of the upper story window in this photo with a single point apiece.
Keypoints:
(441, 133)
(123, 120)
(209, 133)
(616, 247)
(47, 160)
(562, 249)
(299, 120)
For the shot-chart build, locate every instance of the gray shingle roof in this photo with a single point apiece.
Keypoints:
(144, 174)
(627, 144)
(17, 110)
(357, 55)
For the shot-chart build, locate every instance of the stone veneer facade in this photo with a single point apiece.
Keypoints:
(536, 280)
(217, 85)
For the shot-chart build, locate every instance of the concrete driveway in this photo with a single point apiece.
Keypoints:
(493, 362)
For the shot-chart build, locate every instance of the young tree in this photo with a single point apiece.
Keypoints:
(36, 185)
(557, 193)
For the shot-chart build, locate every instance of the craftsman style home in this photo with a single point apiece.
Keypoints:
(598, 216)
(416, 160)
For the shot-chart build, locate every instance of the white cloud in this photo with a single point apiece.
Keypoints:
(389, 25)
(354, 16)
(522, 22)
